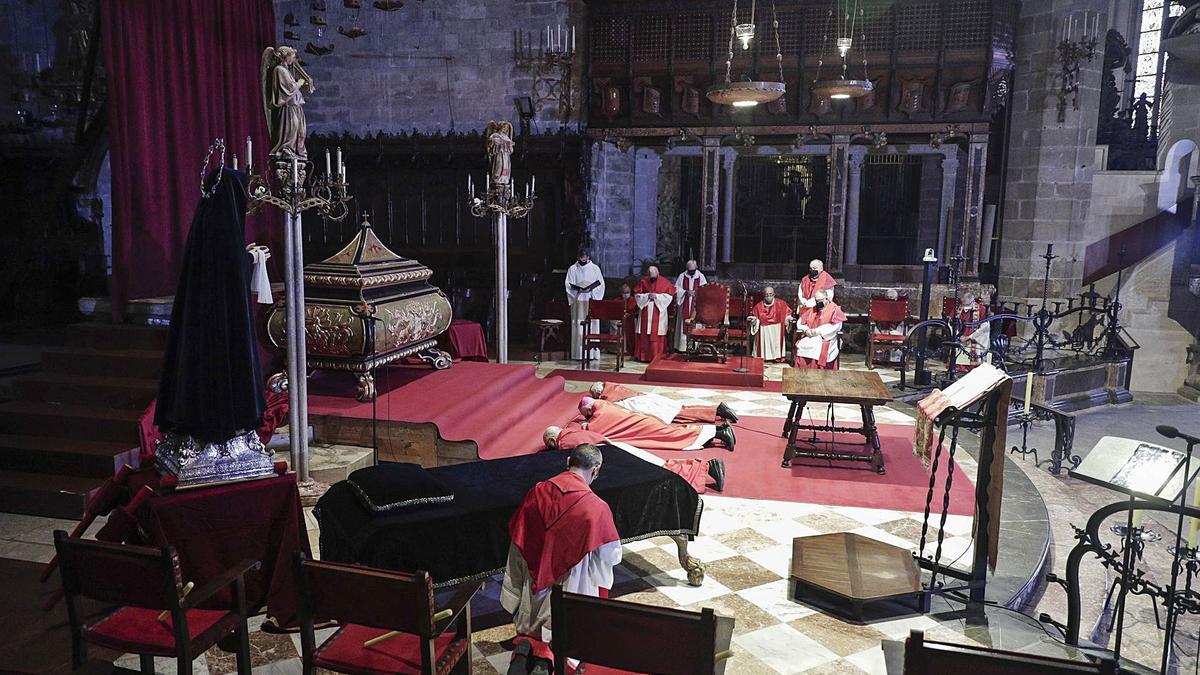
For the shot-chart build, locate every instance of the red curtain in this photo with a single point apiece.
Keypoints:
(180, 74)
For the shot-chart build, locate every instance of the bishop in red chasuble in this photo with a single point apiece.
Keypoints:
(653, 295)
(768, 325)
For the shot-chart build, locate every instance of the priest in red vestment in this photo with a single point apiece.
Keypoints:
(769, 322)
(630, 321)
(696, 472)
(653, 295)
(563, 533)
(817, 333)
(817, 280)
(657, 405)
(648, 432)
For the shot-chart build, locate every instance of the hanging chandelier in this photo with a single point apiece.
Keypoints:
(849, 17)
(747, 92)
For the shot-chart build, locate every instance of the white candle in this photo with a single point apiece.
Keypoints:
(328, 168)
(37, 62)
(548, 48)
(249, 154)
(572, 38)
(1028, 391)
(235, 166)
(487, 183)
(534, 187)
(341, 166)
(1137, 518)
(295, 171)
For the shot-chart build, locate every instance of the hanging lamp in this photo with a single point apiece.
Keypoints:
(843, 87)
(747, 92)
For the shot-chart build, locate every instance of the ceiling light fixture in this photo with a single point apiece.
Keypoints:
(843, 87)
(747, 93)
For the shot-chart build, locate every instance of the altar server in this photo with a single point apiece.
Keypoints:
(584, 283)
(817, 333)
(686, 285)
(653, 295)
(769, 322)
(648, 432)
(817, 280)
(563, 533)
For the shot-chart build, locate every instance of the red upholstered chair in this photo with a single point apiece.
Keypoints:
(371, 603)
(925, 656)
(611, 636)
(883, 316)
(145, 584)
(708, 327)
(611, 315)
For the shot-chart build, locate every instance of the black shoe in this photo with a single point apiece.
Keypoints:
(519, 662)
(716, 469)
(724, 412)
(725, 435)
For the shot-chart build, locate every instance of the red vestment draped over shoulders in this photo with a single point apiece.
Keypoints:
(573, 436)
(560, 522)
(615, 392)
(659, 285)
(774, 313)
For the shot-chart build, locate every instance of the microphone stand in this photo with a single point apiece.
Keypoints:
(742, 361)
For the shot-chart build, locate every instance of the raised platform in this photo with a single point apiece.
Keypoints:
(677, 368)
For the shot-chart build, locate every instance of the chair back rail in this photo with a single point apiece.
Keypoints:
(367, 596)
(712, 305)
(629, 636)
(923, 656)
(133, 576)
(606, 310)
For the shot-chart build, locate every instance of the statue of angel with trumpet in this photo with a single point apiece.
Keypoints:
(284, 83)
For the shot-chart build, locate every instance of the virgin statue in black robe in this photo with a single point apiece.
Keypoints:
(211, 386)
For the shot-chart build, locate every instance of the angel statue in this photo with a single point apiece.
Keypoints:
(283, 81)
(499, 149)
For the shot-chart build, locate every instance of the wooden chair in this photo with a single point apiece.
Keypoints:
(708, 327)
(883, 316)
(608, 312)
(156, 613)
(389, 622)
(739, 309)
(925, 656)
(611, 636)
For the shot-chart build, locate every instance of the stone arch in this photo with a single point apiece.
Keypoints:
(1175, 173)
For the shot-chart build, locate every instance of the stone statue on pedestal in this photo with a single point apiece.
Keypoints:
(500, 149)
(284, 82)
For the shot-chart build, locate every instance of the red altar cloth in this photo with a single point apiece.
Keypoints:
(213, 528)
(464, 340)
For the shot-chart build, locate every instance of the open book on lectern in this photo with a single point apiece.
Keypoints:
(1138, 468)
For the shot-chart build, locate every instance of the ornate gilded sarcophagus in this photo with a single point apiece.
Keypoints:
(366, 306)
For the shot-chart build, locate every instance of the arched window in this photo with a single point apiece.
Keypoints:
(1151, 59)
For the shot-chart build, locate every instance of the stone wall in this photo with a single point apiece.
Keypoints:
(431, 66)
(611, 194)
(670, 225)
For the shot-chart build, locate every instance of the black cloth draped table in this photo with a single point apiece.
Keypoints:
(467, 538)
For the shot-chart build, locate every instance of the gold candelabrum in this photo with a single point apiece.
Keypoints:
(500, 199)
(551, 65)
(1077, 44)
(294, 194)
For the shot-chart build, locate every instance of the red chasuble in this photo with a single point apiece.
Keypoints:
(560, 522)
(813, 318)
(651, 325)
(642, 431)
(615, 392)
(573, 436)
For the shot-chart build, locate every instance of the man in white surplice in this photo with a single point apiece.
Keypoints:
(584, 284)
(686, 285)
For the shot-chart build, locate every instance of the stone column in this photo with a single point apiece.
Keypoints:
(727, 215)
(839, 164)
(949, 180)
(644, 242)
(710, 184)
(852, 206)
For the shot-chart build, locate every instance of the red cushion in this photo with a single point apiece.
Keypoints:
(736, 333)
(887, 337)
(344, 652)
(138, 631)
(713, 333)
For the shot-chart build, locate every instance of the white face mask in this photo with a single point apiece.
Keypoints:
(624, 295)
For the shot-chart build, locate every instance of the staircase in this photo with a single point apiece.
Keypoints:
(75, 423)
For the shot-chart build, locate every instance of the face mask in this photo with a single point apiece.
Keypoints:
(582, 263)
(820, 304)
(813, 274)
(770, 299)
(624, 296)
(691, 273)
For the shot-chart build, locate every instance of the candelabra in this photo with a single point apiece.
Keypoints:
(1072, 52)
(551, 65)
(499, 201)
(294, 195)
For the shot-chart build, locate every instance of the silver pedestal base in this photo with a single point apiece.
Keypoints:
(240, 458)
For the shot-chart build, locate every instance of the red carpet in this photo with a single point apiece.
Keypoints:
(502, 408)
(677, 368)
(753, 472)
(573, 375)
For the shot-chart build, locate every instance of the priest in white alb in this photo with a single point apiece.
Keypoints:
(653, 295)
(686, 285)
(817, 333)
(769, 322)
(584, 283)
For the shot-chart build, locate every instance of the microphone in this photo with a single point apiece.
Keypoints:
(1171, 432)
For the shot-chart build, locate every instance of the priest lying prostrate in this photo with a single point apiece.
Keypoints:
(695, 471)
(584, 283)
(647, 432)
(817, 280)
(653, 295)
(656, 405)
(817, 333)
(769, 322)
(686, 285)
(563, 533)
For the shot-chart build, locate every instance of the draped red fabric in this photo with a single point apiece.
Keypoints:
(180, 74)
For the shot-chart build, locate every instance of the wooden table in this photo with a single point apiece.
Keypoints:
(854, 569)
(863, 388)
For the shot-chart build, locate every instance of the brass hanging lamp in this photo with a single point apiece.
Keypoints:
(746, 92)
(849, 17)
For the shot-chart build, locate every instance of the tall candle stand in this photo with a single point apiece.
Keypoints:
(499, 201)
(286, 187)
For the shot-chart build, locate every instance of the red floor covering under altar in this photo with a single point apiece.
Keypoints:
(502, 407)
(575, 375)
(753, 471)
(678, 368)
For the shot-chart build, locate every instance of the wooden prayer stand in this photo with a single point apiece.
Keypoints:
(864, 389)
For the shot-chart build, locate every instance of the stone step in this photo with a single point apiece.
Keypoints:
(124, 363)
(69, 421)
(65, 456)
(40, 494)
(118, 392)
